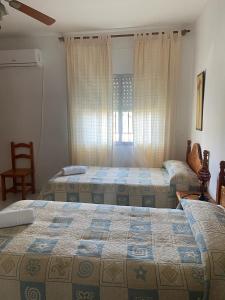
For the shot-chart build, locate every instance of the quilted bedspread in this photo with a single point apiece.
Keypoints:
(79, 251)
(148, 187)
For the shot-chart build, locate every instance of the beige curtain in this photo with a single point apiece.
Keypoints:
(156, 65)
(90, 100)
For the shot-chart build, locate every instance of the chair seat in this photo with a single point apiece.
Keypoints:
(16, 172)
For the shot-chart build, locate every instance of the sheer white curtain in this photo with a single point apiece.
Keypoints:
(90, 100)
(156, 65)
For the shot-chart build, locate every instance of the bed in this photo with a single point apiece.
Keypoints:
(82, 251)
(220, 196)
(154, 187)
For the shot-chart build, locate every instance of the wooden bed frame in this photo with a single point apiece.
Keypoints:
(220, 196)
(194, 157)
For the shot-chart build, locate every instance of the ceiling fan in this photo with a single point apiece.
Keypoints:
(33, 13)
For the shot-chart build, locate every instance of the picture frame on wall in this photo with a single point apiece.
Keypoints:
(200, 100)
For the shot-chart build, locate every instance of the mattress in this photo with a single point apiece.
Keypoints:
(79, 251)
(115, 186)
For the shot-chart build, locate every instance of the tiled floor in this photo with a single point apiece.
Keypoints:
(11, 198)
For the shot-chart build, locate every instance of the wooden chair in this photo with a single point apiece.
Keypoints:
(22, 173)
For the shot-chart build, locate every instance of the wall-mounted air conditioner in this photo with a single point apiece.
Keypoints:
(20, 58)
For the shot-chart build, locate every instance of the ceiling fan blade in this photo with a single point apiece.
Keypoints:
(33, 13)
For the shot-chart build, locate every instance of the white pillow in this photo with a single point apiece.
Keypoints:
(181, 175)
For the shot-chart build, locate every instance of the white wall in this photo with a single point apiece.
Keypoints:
(122, 55)
(210, 56)
(21, 106)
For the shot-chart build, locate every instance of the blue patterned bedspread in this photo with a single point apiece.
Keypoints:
(77, 251)
(120, 186)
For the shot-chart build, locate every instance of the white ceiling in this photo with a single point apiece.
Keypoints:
(96, 15)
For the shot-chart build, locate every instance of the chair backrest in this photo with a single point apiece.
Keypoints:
(29, 156)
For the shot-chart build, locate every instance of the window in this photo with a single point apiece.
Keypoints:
(122, 112)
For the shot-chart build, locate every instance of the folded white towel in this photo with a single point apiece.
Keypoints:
(10, 218)
(73, 170)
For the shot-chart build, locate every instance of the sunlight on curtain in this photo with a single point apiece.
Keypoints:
(156, 61)
(90, 100)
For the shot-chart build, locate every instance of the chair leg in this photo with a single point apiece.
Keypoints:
(3, 188)
(33, 183)
(14, 184)
(23, 188)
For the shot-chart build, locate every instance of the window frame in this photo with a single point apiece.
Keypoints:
(120, 114)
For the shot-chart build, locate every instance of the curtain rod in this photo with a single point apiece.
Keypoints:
(183, 33)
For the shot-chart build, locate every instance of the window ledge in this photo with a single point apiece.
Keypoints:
(126, 144)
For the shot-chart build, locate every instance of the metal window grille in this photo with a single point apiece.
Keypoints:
(122, 103)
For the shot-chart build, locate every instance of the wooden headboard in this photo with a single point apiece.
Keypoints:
(220, 196)
(194, 157)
